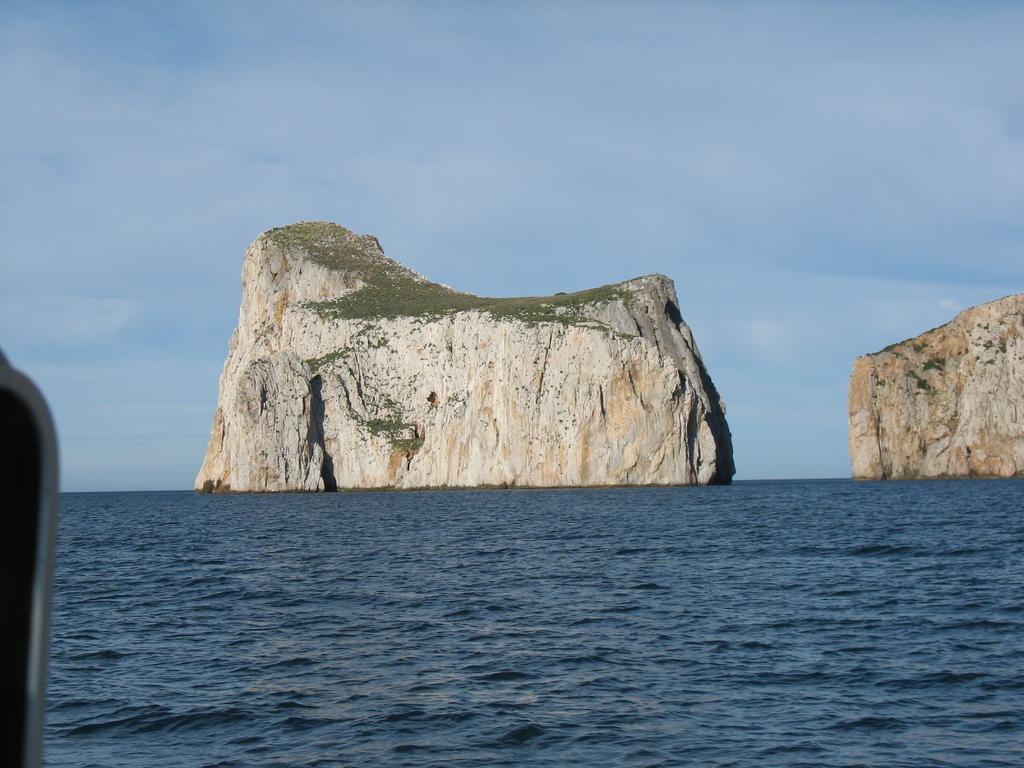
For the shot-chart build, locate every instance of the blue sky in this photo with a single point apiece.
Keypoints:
(819, 179)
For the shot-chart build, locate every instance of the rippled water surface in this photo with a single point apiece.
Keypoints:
(769, 624)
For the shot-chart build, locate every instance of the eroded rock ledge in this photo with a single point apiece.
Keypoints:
(349, 370)
(947, 403)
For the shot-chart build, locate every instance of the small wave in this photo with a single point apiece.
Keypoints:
(977, 624)
(788, 678)
(792, 749)
(107, 654)
(517, 736)
(221, 593)
(80, 704)
(212, 578)
(783, 624)
(408, 714)
(103, 725)
(812, 550)
(504, 675)
(298, 661)
(159, 719)
(1005, 725)
(965, 551)
(931, 680)
(630, 551)
(880, 549)
(523, 733)
(489, 552)
(244, 741)
(586, 658)
(870, 723)
(299, 723)
(451, 717)
(985, 715)
(405, 749)
(293, 705)
(849, 649)
(619, 609)
(1011, 684)
(76, 636)
(188, 721)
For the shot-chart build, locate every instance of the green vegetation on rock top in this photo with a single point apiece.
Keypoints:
(408, 298)
(392, 290)
(333, 246)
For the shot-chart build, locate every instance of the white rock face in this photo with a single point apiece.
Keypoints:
(348, 370)
(949, 403)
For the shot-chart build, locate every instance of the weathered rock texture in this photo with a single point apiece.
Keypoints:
(348, 370)
(945, 404)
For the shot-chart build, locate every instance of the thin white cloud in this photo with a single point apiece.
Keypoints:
(771, 339)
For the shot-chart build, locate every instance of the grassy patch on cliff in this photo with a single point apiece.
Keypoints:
(390, 424)
(401, 296)
(391, 290)
(922, 384)
(316, 364)
(401, 434)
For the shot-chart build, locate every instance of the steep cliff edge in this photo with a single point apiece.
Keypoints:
(948, 403)
(349, 370)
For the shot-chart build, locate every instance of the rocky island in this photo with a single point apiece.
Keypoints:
(349, 370)
(947, 403)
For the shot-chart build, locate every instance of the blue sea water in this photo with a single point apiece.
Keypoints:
(767, 623)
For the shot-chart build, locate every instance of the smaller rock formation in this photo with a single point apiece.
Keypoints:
(948, 403)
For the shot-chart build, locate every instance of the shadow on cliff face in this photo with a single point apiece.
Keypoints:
(317, 407)
(724, 466)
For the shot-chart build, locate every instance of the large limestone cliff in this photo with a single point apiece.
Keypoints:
(948, 403)
(348, 370)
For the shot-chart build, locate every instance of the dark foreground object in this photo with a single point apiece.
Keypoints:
(769, 624)
(28, 477)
